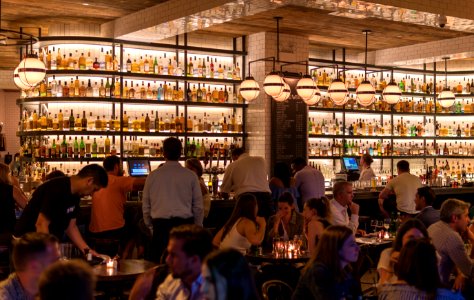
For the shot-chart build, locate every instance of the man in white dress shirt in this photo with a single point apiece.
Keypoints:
(246, 174)
(343, 195)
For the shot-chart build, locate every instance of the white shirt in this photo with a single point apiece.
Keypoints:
(310, 183)
(366, 174)
(246, 174)
(172, 191)
(405, 187)
(341, 217)
(174, 289)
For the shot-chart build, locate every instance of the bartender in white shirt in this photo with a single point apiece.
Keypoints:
(366, 172)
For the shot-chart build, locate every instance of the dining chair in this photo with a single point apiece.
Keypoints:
(276, 290)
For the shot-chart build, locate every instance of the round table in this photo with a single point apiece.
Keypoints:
(127, 269)
(258, 259)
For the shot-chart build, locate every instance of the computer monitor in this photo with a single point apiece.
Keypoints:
(138, 167)
(350, 164)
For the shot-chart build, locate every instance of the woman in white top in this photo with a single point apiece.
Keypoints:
(366, 172)
(411, 229)
(244, 228)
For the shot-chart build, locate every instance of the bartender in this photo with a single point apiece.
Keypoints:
(366, 172)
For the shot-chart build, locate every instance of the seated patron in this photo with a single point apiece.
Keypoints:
(327, 275)
(418, 277)
(226, 275)
(411, 229)
(317, 216)
(343, 195)
(286, 223)
(424, 200)
(32, 253)
(244, 228)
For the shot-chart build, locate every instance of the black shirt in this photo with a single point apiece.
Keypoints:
(56, 202)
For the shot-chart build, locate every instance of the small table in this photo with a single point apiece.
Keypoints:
(258, 259)
(113, 281)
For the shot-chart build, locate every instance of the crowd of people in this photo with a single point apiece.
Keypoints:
(428, 259)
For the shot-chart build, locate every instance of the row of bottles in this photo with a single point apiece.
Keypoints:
(386, 148)
(208, 67)
(150, 91)
(152, 122)
(99, 147)
(409, 84)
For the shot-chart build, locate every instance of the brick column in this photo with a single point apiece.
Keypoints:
(260, 45)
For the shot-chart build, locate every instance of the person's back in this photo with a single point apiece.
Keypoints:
(428, 216)
(310, 183)
(248, 175)
(235, 238)
(405, 187)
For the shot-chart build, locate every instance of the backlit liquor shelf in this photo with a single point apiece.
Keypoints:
(128, 133)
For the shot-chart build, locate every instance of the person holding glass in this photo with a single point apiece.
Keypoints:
(286, 222)
(366, 172)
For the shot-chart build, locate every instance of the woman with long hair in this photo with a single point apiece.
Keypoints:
(418, 276)
(411, 229)
(10, 196)
(317, 216)
(286, 222)
(283, 182)
(327, 275)
(244, 228)
(195, 165)
(227, 276)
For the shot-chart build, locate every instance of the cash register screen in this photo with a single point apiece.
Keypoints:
(138, 167)
(350, 163)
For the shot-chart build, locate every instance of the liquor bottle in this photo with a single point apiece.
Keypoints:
(84, 121)
(94, 148)
(89, 90)
(108, 89)
(147, 123)
(71, 121)
(107, 146)
(190, 67)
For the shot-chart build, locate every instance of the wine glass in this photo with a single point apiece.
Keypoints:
(374, 224)
(386, 223)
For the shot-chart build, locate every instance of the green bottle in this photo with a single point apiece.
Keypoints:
(64, 148)
(71, 121)
(82, 148)
(94, 148)
(76, 147)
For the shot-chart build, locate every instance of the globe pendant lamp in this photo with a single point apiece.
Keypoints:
(31, 70)
(365, 91)
(249, 89)
(306, 88)
(446, 98)
(273, 84)
(391, 94)
(315, 99)
(285, 94)
(18, 82)
(338, 92)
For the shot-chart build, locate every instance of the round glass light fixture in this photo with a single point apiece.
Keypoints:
(315, 99)
(338, 92)
(446, 98)
(306, 88)
(273, 84)
(285, 94)
(18, 82)
(365, 93)
(391, 94)
(31, 71)
(249, 89)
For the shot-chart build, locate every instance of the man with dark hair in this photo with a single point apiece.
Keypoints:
(107, 214)
(54, 205)
(72, 280)
(424, 200)
(188, 246)
(404, 186)
(446, 235)
(171, 197)
(32, 253)
(308, 180)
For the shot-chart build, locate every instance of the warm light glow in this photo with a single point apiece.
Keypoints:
(315, 99)
(306, 88)
(285, 94)
(273, 84)
(391, 94)
(446, 98)
(365, 93)
(31, 71)
(18, 82)
(338, 92)
(249, 89)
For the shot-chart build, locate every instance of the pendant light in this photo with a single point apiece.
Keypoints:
(285, 94)
(18, 82)
(391, 93)
(338, 92)
(365, 91)
(446, 98)
(315, 99)
(306, 88)
(273, 84)
(31, 70)
(249, 89)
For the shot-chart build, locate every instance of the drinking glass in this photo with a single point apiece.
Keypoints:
(66, 251)
(275, 244)
(386, 224)
(374, 224)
